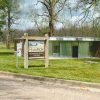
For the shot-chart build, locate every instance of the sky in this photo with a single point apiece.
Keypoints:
(25, 21)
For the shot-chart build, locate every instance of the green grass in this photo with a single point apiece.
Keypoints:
(3, 49)
(69, 69)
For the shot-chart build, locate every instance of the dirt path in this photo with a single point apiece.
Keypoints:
(18, 89)
(12, 89)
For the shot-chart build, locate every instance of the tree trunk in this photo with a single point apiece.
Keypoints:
(51, 26)
(8, 34)
(51, 20)
(8, 42)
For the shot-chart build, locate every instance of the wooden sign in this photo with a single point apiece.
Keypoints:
(36, 47)
(19, 49)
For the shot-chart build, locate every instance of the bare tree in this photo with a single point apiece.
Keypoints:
(89, 10)
(52, 8)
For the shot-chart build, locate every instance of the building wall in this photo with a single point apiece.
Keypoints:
(50, 48)
(64, 48)
(54, 48)
(83, 49)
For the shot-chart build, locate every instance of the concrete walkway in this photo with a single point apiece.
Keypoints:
(19, 89)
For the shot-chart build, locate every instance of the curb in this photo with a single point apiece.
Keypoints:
(51, 80)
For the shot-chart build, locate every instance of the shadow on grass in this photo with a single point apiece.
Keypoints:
(6, 53)
(34, 66)
(40, 66)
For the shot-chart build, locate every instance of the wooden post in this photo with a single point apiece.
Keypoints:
(46, 51)
(15, 46)
(26, 52)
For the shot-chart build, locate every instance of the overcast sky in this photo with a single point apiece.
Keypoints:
(25, 21)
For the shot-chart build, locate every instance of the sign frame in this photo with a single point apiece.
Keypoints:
(26, 48)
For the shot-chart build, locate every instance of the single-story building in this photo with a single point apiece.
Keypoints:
(78, 47)
(74, 47)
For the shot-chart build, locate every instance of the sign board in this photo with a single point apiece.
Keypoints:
(19, 49)
(36, 48)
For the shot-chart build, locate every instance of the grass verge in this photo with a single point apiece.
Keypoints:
(69, 69)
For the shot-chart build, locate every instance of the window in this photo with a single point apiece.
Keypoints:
(56, 49)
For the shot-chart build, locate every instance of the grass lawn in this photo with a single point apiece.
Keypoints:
(69, 69)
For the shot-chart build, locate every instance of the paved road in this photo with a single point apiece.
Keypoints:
(12, 89)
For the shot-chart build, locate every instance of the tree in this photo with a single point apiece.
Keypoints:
(2, 16)
(11, 8)
(90, 9)
(8, 8)
(52, 8)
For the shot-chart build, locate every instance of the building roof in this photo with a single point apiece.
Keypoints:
(67, 38)
(74, 39)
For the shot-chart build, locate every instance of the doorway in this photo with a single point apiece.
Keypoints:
(95, 49)
(75, 51)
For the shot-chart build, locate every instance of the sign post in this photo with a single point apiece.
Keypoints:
(46, 51)
(16, 59)
(18, 52)
(36, 47)
(26, 52)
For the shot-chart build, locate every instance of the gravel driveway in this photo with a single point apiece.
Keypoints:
(13, 89)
